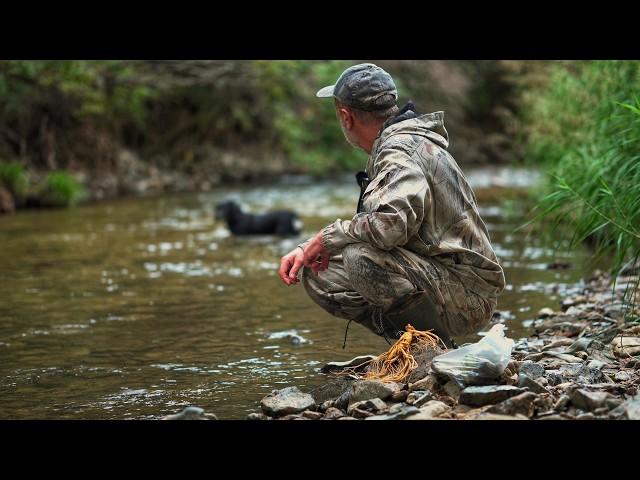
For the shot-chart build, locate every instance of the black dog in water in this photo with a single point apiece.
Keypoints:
(280, 222)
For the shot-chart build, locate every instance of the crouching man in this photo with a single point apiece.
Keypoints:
(417, 251)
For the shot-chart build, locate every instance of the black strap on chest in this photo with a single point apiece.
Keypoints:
(363, 181)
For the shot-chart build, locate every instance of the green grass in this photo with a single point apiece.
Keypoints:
(13, 177)
(62, 189)
(586, 129)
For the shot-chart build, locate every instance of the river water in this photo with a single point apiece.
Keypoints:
(135, 308)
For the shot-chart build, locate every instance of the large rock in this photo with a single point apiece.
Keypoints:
(520, 404)
(427, 383)
(479, 396)
(287, 401)
(331, 390)
(367, 389)
(587, 400)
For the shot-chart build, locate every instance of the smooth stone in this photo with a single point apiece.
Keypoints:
(429, 410)
(367, 389)
(333, 413)
(496, 416)
(520, 404)
(479, 396)
(586, 416)
(587, 400)
(312, 415)
(287, 401)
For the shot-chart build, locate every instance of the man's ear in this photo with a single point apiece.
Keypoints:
(347, 118)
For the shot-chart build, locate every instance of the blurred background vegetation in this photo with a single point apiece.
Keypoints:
(76, 130)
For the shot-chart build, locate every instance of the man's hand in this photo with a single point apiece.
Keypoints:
(314, 256)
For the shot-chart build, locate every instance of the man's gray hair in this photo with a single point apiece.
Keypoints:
(374, 115)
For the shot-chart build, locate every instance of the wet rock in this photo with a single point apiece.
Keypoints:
(587, 400)
(418, 398)
(429, 410)
(366, 389)
(257, 416)
(367, 408)
(601, 411)
(331, 390)
(525, 382)
(562, 403)
(358, 363)
(333, 413)
(479, 396)
(622, 376)
(545, 312)
(311, 415)
(191, 413)
(347, 418)
(531, 370)
(289, 400)
(519, 404)
(397, 412)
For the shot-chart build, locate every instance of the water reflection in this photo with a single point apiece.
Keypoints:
(135, 308)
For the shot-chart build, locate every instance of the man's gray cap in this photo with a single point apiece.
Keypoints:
(364, 86)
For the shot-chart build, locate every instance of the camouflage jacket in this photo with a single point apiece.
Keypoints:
(419, 199)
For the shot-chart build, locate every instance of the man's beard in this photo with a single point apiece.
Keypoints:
(347, 136)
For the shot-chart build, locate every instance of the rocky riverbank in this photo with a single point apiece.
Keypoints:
(581, 361)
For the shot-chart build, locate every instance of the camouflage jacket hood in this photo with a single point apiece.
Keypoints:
(419, 199)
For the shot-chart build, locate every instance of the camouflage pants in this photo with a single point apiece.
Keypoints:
(364, 281)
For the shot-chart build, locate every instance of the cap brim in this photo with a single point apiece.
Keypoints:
(325, 92)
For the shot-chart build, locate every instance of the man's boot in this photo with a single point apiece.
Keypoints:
(418, 311)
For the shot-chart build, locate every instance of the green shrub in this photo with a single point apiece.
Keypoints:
(13, 177)
(585, 127)
(62, 189)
